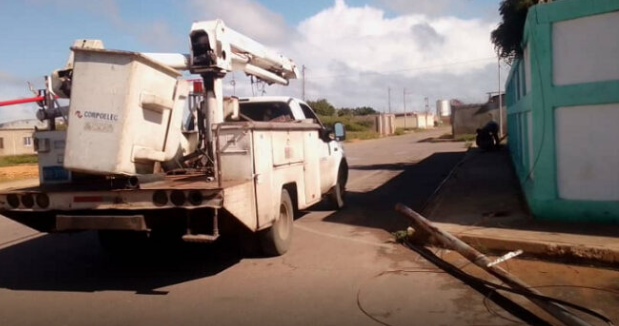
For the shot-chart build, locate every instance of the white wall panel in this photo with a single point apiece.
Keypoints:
(586, 49)
(587, 145)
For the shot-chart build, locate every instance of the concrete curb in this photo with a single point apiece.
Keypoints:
(599, 251)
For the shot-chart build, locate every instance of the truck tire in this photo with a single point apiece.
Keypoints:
(276, 240)
(122, 242)
(337, 193)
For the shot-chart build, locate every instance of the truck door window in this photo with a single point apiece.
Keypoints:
(267, 111)
(309, 114)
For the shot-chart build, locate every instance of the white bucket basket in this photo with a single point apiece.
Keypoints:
(125, 113)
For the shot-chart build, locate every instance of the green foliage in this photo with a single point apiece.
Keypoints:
(322, 107)
(507, 37)
(349, 122)
(344, 111)
(18, 159)
(361, 111)
(353, 119)
(399, 131)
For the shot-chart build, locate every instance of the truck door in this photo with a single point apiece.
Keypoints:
(328, 154)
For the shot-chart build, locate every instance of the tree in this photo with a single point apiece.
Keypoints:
(364, 111)
(507, 37)
(356, 111)
(344, 111)
(322, 107)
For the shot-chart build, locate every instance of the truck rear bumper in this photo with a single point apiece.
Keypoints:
(101, 222)
(172, 219)
(39, 201)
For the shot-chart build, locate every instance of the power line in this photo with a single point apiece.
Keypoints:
(388, 72)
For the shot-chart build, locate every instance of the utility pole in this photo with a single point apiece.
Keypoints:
(404, 99)
(303, 82)
(233, 82)
(427, 111)
(389, 98)
(501, 131)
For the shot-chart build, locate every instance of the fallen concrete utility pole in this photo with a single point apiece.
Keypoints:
(421, 224)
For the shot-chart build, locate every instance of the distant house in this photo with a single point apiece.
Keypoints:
(563, 111)
(16, 137)
(414, 120)
(467, 118)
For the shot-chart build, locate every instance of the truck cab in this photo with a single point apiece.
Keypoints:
(287, 109)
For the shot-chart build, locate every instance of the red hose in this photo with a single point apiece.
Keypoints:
(23, 100)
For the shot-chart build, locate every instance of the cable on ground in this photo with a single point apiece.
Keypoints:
(496, 287)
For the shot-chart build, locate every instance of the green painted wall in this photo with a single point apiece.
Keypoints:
(538, 173)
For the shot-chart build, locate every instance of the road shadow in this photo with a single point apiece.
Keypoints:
(75, 262)
(413, 186)
(485, 192)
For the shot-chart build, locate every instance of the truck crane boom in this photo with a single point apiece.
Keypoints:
(216, 50)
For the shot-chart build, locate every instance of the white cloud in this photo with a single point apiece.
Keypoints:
(11, 88)
(363, 39)
(9, 81)
(158, 35)
(429, 7)
(245, 16)
(354, 53)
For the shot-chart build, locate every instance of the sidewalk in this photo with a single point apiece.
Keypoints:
(25, 183)
(482, 204)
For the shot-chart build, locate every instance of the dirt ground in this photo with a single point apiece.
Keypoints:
(484, 192)
(593, 288)
(19, 172)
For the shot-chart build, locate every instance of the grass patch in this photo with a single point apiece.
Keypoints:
(466, 137)
(18, 159)
(361, 135)
(399, 131)
(463, 137)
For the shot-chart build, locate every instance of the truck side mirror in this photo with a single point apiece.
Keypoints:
(340, 131)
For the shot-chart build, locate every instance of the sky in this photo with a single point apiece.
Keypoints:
(354, 50)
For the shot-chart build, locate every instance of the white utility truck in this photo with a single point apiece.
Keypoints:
(130, 165)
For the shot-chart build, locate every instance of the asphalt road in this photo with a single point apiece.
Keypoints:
(330, 272)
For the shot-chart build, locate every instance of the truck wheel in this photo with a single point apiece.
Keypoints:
(122, 242)
(336, 195)
(276, 240)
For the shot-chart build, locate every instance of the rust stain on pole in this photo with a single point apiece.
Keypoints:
(420, 223)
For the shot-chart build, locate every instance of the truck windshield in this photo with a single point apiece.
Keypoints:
(267, 111)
